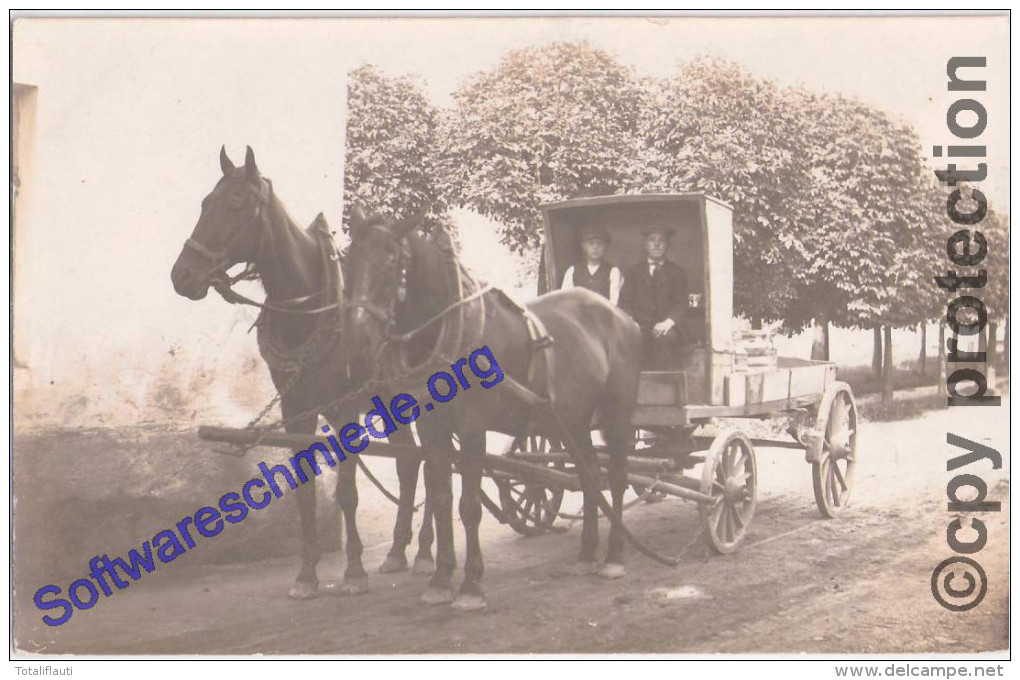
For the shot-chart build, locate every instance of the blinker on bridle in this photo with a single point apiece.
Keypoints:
(387, 315)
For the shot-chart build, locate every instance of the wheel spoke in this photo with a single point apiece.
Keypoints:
(739, 465)
(739, 517)
(839, 475)
(724, 522)
(719, 519)
(736, 456)
(731, 524)
(833, 492)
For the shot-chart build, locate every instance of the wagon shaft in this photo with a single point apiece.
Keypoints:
(290, 440)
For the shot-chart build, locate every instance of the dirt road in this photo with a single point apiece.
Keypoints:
(857, 584)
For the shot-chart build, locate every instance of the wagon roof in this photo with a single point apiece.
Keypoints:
(617, 199)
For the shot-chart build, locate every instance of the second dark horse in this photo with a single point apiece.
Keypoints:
(401, 285)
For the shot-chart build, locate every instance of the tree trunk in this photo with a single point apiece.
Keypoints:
(941, 383)
(993, 347)
(820, 345)
(922, 358)
(888, 370)
(876, 356)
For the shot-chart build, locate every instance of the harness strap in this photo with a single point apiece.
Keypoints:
(543, 342)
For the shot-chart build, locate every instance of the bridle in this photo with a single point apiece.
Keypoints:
(386, 315)
(220, 261)
(454, 333)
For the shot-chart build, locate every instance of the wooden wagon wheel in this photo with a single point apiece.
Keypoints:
(730, 476)
(528, 507)
(834, 458)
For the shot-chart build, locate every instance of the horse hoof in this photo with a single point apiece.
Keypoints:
(330, 588)
(612, 570)
(357, 585)
(584, 568)
(469, 603)
(424, 566)
(393, 565)
(302, 590)
(437, 596)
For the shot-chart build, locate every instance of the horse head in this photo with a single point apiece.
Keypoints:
(376, 275)
(229, 230)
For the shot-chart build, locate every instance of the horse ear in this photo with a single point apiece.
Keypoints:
(225, 163)
(357, 218)
(250, 167)
(358, 214)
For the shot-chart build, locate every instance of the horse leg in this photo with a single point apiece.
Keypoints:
(472, 448)
(424, 565)
(619, 443)
(407, 473)
(355, 577)
(590, 486)
(306, 586)
(439, 492)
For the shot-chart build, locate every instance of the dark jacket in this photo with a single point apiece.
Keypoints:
(650, 301)
(597, 282)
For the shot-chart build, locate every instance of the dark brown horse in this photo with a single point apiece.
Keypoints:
(398, 281)
(299, 337)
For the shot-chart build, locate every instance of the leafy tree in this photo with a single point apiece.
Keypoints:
(717, 129)
(547, 123)
(390, 161)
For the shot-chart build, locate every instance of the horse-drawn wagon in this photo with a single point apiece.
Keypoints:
(677, 407)
(683, 416)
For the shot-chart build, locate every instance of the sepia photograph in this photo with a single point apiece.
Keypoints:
(517, 337)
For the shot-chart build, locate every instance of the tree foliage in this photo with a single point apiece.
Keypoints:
(715, 128)
(392, 145)
(547, 123)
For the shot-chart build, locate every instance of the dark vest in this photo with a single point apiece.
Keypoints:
(597, 282)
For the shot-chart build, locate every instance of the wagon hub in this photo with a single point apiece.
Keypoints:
(735, 490)
(841, 445)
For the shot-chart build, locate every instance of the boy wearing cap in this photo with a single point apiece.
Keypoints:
(595, 273)
(655, 295)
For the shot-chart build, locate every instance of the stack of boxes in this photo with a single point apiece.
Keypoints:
(753, 351)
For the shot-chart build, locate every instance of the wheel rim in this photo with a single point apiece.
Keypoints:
(837, 465)
(730, 478)
(531, 509)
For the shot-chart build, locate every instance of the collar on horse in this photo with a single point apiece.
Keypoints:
(462, 330)
(462, 320)
(327, 331)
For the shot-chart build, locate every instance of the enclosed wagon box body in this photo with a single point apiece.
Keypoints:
(706, 383)
(702, 245)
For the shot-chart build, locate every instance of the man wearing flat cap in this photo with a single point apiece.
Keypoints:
(655, 295)
(592, 271)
